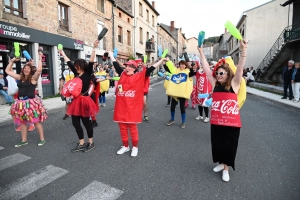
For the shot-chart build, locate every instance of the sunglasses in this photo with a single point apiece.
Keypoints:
(220, 73)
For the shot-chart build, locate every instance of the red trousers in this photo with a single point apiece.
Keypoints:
(133, 133)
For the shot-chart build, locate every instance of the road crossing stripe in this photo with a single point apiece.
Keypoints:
(32, 182)
(12, 160)
(99, 191)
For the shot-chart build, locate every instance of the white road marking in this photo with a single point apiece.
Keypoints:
(31, 183)
(12, 160)
(97, 191)
(1, 148)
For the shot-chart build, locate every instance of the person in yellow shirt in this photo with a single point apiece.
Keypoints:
(104, 85)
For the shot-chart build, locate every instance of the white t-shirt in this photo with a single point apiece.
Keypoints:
(250, 76)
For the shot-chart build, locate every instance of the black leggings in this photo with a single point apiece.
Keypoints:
(181, 103)
(86, 122)
(201, 110)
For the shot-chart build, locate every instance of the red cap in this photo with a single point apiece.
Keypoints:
(138, 61)
(131, 62)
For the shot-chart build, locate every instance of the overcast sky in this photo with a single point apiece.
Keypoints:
(194, 16)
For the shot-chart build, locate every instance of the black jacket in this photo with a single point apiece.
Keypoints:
(297, 76)
(5, 84)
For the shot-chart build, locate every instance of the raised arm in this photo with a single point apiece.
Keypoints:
(10, 71)
(236, 80)
(69, 63)
(93, 55)
(39, 69)
(206, 68)
(117, 67)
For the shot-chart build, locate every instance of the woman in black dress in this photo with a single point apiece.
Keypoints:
(224, 137)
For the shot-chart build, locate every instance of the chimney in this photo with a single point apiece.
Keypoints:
(153, 4)
(172, 26)
(225, 30)
(180, 29)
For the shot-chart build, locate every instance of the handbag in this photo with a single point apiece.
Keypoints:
(12, 88)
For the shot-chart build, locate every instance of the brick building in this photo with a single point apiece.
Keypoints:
(74, 24)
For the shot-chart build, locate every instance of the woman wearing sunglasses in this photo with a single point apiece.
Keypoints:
(225, 118)
(129, 101)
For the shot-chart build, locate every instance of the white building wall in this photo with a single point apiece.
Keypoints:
(192, 44)
(147, 26)
(263, 26)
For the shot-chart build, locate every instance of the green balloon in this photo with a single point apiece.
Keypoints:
(165, 53)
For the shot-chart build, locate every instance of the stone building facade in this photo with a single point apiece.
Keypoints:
(44, 24)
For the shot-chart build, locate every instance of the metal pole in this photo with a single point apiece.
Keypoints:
(289, 16)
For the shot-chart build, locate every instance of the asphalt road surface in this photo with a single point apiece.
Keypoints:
(172, 163)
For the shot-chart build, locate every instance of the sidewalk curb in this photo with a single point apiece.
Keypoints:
(59, 107)
(279, 100)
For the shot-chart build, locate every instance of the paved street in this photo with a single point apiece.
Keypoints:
(172, 163)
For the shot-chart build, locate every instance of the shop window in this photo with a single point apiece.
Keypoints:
(120, 34)
(63, 16)
(100, 5)
(129, 38)
(14, 7)
(140, 8)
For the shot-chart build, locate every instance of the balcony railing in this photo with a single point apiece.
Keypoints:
(150, 47)
(287, 35)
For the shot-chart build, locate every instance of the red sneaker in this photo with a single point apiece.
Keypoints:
(31, 127)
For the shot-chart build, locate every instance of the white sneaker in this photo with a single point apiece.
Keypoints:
(199, 117)
(219, 168)
(123, 150)
(206, 119)
(225, 176)
(296, 101)
(134, 151)
(104, 105)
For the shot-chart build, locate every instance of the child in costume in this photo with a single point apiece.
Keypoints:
(104, 86)
(180, 88)
(129, 102)
(202, 87)
(225, 117)
(27, 109)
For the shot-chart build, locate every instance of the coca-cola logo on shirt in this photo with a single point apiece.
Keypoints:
(200, 84)
(228, 106)
(129, 93)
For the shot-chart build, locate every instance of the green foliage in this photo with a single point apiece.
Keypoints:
(131, 57)
(213, 40)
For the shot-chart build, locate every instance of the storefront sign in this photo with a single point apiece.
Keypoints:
(21, 33)
(12, 31)
(78, 45)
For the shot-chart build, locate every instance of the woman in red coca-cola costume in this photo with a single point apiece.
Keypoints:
(130, 101)
(83, 107)
(225, 117)
(202, 86)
